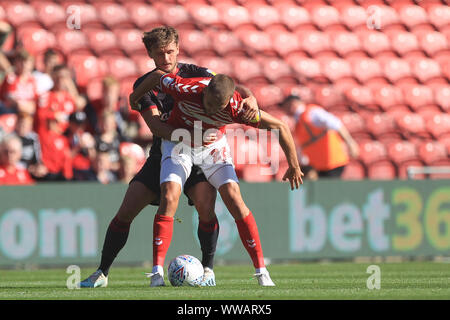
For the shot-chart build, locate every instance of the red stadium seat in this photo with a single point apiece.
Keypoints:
(353, 122)
(375, 42)
(306, 67)
(49, 13)
(372, 151)
(442, 97)
(35, 39)
(439, 15)
(382, 126)
(345, 42)
(404, 42)
(325, 16)
(386, 14)
(112, 14)
(216, 64)
(268, 95)
(245, 69)
(275, 69)
(263, 15)
(87, 67)
(234, 16)
(256, 41)
(365, 69)
(412, 15)
(438, 124)
(335, 69)
(412, 125)
(360, 96)
(143, 15)
(134, 151)
(354, 16)
(204, 14)
(226, 43)
(143, 63)
(102, 41)
(293, 16)
(130, 41)
(433, 42)
(88, 13)
(195, 42)
(396, 69)
(8, 122)
(432, 152)
(70, 41)
(384, 170)
(315, 42)
(285, 43)
(354, 170)
(417, 96)
(18, 13)
(402, 151)
(425, 70)
(329, 97)
(120, 67)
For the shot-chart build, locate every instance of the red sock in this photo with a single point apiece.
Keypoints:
(248, 231)
(162, 236)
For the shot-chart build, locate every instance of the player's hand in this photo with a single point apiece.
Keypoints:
(294, 175)
(250, 108)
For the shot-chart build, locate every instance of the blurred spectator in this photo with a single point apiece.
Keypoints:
(31, 147)
(58, 101)
(44, 78)
(132, 158)
(321, 137)
(5, 65)
(11, 171)
(19, 89)
(56, 155)
(102, 168)
(127, 170)
(108, 138)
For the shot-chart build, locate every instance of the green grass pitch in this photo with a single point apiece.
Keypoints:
(319, 281)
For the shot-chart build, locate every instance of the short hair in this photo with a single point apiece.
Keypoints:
(22, 55)
(160, 37)
(221, 87)
(290, 98)
(49, 52)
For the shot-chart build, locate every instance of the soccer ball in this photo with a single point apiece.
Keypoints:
(185, 270)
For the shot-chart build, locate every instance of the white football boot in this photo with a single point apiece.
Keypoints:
(264, 279)
(209, 279)
(157, 279)
(95, 280)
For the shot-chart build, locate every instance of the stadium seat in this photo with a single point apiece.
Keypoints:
(49, 13)
(396, 69)
(292, 16)
(361, 97)
(442, 97)
(433, 42)
(417, 96)
(375, 42)
(94, 89)
(35, 39)
(315, 42)
(120, 67)
(382, 126)
(354, 170)
(216, 64)
(134, 151)
(353, 122)
(263, 15)
(402, 151)
(69, 41)
(233, 16)
(245, 69)
(204, 15)
(413, 15)
(87, 11)
(19, 13)
(226, 43)
(143, 63)
(102, 41)
(425, 70)
(354, 16)
(324, 16)
(275, 69)
(371, 152)
(383, 170)
(130, 41)
(87, 67)
(432, 152)
(285, 43)
(267, 94)
(345, 42)
(365, 69)
(329, 97)
(335, 69)
(257, 173)
(404, 42)
(195, 42)
(8, 122)
(439, 15)
(143, 15)
(306, 67)
(387, 16)
(112, 14)
(438, 124)
(256, 42)
(412, 125)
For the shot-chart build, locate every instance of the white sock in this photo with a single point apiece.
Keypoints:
(261, 270)
(158, 269)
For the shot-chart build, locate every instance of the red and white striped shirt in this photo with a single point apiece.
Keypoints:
(187, 93)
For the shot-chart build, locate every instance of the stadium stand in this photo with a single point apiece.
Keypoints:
(382, 66)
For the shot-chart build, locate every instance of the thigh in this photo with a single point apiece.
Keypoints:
(203, 195)
(136, 198)
(176, 163)
(197, 176)
(149, 176)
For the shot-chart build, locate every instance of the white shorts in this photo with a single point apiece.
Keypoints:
(215, 161)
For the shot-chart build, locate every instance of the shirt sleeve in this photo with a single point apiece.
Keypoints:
(237, 112)
(181, 88)
(323, 119)
(146, 101)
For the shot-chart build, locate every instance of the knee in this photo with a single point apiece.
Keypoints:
(170, 194)
(231, 195)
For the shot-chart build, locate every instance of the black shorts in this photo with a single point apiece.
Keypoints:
(149, 176)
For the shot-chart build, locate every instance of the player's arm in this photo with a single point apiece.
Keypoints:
(293, 173)
(248, 104)
(149, 83)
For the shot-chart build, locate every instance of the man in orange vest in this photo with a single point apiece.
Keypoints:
(321, 138)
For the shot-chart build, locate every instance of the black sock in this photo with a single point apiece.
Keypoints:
(115, 239)
(208, 233)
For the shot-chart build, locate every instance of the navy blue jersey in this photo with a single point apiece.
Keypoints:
(165, 102)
